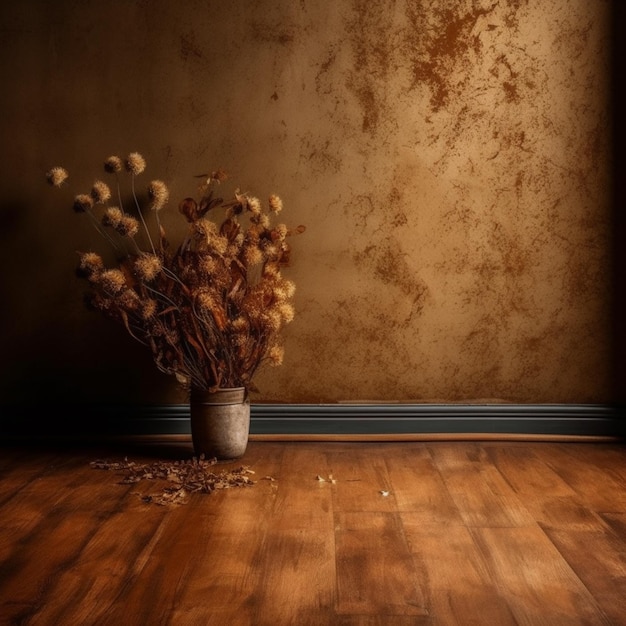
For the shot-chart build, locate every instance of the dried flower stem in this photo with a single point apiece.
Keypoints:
(143, 221)
(98, 226)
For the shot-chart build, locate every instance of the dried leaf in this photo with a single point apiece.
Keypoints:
(184, 477)
(330, 479)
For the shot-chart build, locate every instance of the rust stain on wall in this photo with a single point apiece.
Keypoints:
(439, 41)
(370, 34)
(386, 263)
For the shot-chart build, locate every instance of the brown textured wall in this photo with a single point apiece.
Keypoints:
(450, 160)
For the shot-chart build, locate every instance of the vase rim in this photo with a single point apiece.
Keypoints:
(226, 395)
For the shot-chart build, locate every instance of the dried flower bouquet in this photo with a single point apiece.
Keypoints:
(210, 310)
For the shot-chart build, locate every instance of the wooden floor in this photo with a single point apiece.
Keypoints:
(330, 533)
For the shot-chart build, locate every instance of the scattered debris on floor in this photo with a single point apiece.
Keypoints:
(185, 477)
(330, 479)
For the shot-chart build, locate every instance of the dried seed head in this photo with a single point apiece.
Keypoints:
(100, 192)
(135, 163)
(254, 206)
(251, 308)
(113, 165)
(279, 294)
(283, 290)
(262, 220)
(128, 300)
(208, 237)
(57, 176)
(148, 308)
(271, 271)
(112, 217)
(272, 320)
(287, 312)
(97, 301)
(206, 300)
(252, 255)
(112, 281)
(90, 265)
(280, 232)
(275, 204)
(147, 267)
(219, 244)
(128, 226)
(239, 325)
(158, 194)
(275, 355)
(83, 203)
(205, 229)
(270, 251)
(207, 264)
(289, 286)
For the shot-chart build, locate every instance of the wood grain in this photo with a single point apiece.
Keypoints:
(457, 584)
(375, 572)
(533, 578)
(331, 533)
(598, 558)
(482, 496)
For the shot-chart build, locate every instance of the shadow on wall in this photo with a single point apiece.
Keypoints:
(619, 210)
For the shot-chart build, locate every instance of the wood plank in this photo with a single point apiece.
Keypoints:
(531, 575)
(375, 572)
(526, 472)
(417, 486)
(25, 581)
(68, 486)
(482, 496)
(617, 522)
(602, 569)
(545, 495)
(26, 466)
(110, 561)
(18, 467)
(298, 581)
(360, 475)
(457, 584)
(608, 457)
(303, 501)
(599, 487)
(380, 620)
(563, 512)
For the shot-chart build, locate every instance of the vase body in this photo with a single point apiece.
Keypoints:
(220, 422)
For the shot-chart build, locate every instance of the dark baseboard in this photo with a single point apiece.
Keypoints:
(424, 419)
(319, 420)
